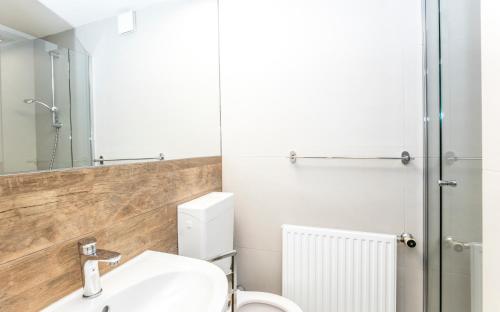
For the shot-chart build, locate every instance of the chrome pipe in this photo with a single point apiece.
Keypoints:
(232, 275)
(55, 115)
(222, 256)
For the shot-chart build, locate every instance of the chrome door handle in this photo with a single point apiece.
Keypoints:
(451, 183)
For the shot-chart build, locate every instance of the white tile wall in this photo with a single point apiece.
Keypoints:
(322, 77)
(491, 153)
(255, 266)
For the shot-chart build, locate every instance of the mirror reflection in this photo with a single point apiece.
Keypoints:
(45, 105)
(117, 83)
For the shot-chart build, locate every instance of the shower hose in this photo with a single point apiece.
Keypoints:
(54, 149)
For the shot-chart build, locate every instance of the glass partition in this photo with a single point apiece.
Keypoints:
(455, 159)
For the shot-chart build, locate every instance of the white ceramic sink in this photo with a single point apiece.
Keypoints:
(155, 281)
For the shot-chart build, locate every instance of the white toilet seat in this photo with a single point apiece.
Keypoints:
(248, 297)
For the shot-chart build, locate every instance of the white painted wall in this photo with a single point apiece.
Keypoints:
(491, 153)
(322, 77)
(18, 119)
(157, 90)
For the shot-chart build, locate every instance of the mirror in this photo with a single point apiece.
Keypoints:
(45, 105)
(85, 82)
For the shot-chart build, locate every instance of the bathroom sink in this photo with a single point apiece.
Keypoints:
(155, 281)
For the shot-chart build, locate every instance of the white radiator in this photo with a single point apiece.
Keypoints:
(327, 270)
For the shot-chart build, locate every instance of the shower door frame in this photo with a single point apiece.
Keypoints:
(430, 23)
(431, 101)
(425, 7)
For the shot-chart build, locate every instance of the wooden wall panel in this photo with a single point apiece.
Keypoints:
(129, 208)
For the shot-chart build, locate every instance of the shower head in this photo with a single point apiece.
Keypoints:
(33, 101)
(52, 109)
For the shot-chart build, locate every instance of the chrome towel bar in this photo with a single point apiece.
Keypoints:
(464, 158)
(452, 158)
(405, 157)
(101, 159)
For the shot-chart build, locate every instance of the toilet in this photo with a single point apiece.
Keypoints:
(254, 301)
(206, 227)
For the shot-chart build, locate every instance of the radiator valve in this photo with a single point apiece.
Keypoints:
(407, 239)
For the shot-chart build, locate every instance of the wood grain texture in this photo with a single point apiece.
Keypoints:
(129, 208)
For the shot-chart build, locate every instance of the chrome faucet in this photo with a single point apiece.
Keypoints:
(90, 257)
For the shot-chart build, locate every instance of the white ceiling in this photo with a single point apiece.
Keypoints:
(81, 12)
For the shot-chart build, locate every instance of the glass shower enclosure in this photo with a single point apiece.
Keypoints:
(454, 190)
(44, 106)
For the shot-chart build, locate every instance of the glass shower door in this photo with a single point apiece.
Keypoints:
(460, 153)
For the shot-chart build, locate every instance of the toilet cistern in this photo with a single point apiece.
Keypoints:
(90, 257)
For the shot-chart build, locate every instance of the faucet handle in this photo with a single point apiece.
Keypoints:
(87, 246)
